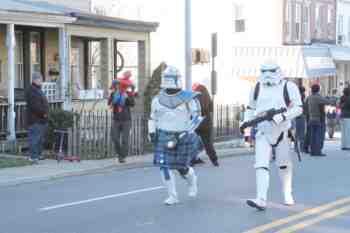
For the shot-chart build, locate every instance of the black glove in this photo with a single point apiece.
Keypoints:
(270, 114)
(152, 137)
(243, 127)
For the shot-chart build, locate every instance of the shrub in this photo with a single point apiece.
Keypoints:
(58, 119)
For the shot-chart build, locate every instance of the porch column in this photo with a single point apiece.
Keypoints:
(65, 90)
(106, 64)
(11, 116)
(142, 76)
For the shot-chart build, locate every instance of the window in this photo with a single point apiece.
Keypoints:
(318, 20)
(288, 21)
(330, 22)
(340, 24)
(349, 29)
(306, 24)
(129, 50)
(239, 18)
(298, 9)
(95, 66)
(0, 71)
(35, 52)
(19, 78)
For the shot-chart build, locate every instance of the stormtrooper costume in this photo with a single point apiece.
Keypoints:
(272, 136)
(173, 113)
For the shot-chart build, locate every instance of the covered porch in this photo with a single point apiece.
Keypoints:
(78, 54)
(97, 58)
(30, 42)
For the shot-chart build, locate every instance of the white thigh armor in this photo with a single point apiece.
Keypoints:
(263, 152)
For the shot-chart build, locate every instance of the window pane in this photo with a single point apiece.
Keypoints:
(340, 24)
(240, 25)
(129, 52)
(349, 29)
(35, 51)
(297, 22)
(19, 81)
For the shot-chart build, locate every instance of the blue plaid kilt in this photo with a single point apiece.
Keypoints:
(187, 148)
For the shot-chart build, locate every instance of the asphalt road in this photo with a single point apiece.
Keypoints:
(130, 201)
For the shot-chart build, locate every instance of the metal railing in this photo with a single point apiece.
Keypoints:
(20, 122)
(90, 136)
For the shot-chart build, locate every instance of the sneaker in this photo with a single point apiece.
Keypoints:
(122, 160)
(34, 161)
(289, 200)
(171, 201)
(257, 204)
(215, 163)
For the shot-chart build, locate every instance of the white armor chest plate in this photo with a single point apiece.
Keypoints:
(271, 97)
(176, 120)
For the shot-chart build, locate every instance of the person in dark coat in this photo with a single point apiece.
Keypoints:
(37, 117)
(205, 128)
(345, 119)
(121, 102)
(314, 106)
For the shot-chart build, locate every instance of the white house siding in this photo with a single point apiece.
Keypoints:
(343, 10)
(343, 30)
(264, 23)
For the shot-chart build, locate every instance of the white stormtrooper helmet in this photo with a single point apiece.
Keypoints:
(271, 73)
(171, 78)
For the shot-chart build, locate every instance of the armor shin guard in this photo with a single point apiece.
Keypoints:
(192, 182)
(262, 183)
(169, 181)
(286, 174)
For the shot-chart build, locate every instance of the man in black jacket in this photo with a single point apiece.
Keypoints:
(314, 108)
(37, 117)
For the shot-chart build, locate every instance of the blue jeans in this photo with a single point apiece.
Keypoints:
(315, 137)
(323, 133)
(36, 136)
(300, 128)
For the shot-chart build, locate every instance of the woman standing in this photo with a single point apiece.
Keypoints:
(345, 119)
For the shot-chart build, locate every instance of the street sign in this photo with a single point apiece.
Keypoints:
(214, 44)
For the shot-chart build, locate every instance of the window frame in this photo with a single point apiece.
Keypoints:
(239, 19)
(298, 22)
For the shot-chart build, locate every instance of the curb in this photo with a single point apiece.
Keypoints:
(222, 153)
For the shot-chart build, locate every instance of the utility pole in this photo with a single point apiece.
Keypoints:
(11, 117)
(188, 46)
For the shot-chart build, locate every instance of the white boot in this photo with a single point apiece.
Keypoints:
(262, 186)
(171, 187)
(286, 179)
(192, 183)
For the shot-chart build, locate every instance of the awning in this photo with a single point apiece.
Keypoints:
(295, 61)
(318, 62)
(340, 53)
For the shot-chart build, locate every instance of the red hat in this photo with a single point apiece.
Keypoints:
(195, 86)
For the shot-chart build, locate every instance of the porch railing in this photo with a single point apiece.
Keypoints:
(20, 122)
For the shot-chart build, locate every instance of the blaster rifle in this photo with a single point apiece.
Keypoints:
(266, 116)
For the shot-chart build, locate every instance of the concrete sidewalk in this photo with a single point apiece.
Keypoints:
(50, 169)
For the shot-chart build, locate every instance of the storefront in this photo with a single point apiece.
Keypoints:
(304, 64)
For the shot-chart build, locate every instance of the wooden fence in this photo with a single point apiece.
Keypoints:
(90, 136)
